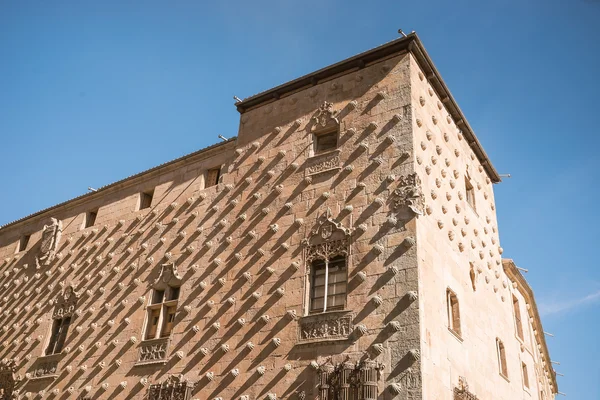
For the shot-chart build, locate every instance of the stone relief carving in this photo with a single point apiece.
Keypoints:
(461, 392)
(169, 276)
(328, 239)
(410, 379)
(349, 380)
(324, 118)
(322, 163)
(45, 369)
(175, 387)
(50, 240)
(325, 327)
(409, 194)
(66, 303)
(155, 350)
(8, 379)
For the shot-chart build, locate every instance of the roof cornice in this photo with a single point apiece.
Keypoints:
(510, 268)
(129, 181)
(411, 43)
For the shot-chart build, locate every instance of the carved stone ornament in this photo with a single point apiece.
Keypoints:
(169, 276)
(8, 379)
(349, 380)
(462, 391)
(409, 194)
(50, 240)
(329, 326)
(153, 351)
(322, 163)
(66, 303)
(46, 367)
(175, 387)
(324, 118)
(327, 239)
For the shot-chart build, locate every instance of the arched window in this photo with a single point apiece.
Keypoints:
(453, 312)
(503, 369)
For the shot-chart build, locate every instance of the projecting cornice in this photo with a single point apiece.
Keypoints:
(411, 43)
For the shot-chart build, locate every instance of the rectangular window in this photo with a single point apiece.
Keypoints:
(23, 242)
(502, 358)
(518, 318)
(328, 282)
(58, 335)
(525, 375)
(470, 193)
(90, 218)
(212, 177)
(453, 312)
(161, 313)
(146, 199)
(325, 141)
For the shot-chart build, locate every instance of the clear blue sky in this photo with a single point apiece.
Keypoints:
(91, 92)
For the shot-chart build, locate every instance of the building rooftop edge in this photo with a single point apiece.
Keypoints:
(410, 43)
(121, 181)
(510, 268)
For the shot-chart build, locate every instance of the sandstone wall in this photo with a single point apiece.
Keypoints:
(238, 249)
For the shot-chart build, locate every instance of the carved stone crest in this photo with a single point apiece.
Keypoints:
(327, 239)
(324, 118)
(50, 240)
(336, 325)
(8, 379)
(409, 194)
(66, 303)
(169, 276)
(175, 387)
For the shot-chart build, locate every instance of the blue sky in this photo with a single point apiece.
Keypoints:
(91, 92)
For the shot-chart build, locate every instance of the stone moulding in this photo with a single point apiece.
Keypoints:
(325, 327)
(322, 163)
(153, 351)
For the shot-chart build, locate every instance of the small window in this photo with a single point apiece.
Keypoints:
(470, 193)
(518, 318)
(212, 177)
(90, 218)
(453, 312)
(58, 335)
(146, 199)
(525, 375)
(325, 141)
(328, 282)
(502, 358)
(23, 242)
(161, 313)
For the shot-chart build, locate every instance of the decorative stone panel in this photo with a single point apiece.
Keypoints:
(153, 351)
(324, 327)
(175, 387)
(323, 163)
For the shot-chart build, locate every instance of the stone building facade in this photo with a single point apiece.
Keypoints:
(343, 246)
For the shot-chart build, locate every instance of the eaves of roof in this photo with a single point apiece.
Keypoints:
(410, 43)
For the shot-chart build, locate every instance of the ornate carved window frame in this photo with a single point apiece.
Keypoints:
(324, 122)
(156, 349)
(349, 380)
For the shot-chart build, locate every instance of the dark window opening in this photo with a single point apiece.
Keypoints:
(146, 199)
(23, 242)
(90, 218)
(58, 336)
(325, 141)
(470, 193)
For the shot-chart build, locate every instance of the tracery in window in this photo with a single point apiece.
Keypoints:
(63, 314)
(175, 387)
(349, 380)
